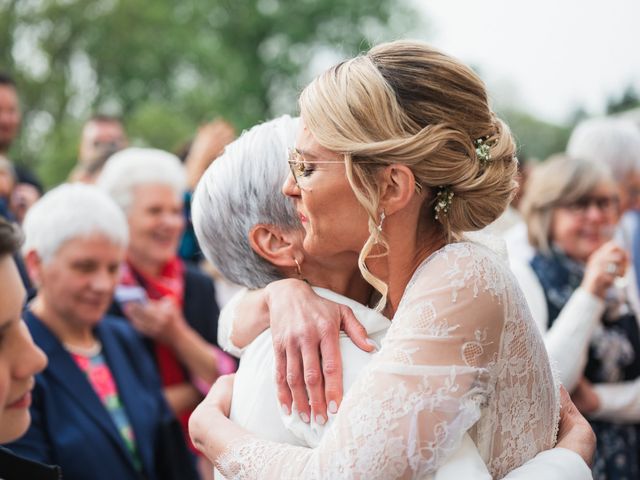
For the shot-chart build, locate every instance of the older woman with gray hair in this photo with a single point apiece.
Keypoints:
(616, 143)
(572, 208)
(170, 302)
(97, 410)
(261, 243)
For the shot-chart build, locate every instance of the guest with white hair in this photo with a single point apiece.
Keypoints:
(98, 408)
(170, 302)
(250, 231)
(616, 143)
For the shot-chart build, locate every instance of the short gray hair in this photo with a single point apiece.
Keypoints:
(613, 141)
(557, 181)
(241, 189)
(132, 167)
(70, 211)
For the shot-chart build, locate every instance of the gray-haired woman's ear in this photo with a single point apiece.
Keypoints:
(240, 190)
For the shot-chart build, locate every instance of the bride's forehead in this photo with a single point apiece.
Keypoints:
(308, 146)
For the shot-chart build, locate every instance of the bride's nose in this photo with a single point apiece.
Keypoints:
(290, 187)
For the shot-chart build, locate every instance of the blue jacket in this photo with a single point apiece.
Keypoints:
(71, 427)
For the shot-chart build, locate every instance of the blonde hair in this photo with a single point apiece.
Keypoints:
(406, 103)
(560, 180)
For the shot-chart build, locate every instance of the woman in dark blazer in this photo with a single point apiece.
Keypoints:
(98, 410)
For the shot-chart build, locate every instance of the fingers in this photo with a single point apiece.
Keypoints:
(284, 394)
(314, 384)
(332, 370)
(354, 329)
(295, 382)
(575, 433)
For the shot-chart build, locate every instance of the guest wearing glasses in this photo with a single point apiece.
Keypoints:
(572, 208)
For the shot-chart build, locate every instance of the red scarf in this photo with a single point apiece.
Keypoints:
(169, 283)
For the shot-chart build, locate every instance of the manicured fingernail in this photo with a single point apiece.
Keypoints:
(373, 344)
(285, 409)
(333, 407)
(320, 420)
(304, 417)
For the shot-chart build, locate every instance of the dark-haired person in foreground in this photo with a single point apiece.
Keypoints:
(20, 361)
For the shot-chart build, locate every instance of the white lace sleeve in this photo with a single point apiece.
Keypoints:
(448, 364)
(225, 324)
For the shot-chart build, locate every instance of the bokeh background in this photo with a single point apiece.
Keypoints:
(166, 66)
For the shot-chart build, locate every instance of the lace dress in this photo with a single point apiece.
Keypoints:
(462, 354)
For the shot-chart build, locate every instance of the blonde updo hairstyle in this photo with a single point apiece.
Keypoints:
(406, 103)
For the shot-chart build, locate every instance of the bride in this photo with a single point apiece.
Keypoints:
(399, 153)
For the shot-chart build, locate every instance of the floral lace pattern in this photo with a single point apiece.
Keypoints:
(462, 355)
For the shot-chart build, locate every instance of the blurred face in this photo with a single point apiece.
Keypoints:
(333, 220)
(9, 116)
(6, 183)
(582, 227)
(99, 138)
(156, 222)
(20, 359)
(630, 193)
(77, 284)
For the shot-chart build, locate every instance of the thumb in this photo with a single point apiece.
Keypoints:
(354, 329)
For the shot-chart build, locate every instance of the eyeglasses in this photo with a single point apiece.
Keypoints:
(604, 204)
(302, 169)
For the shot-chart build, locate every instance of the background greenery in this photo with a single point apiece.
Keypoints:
(166, 66)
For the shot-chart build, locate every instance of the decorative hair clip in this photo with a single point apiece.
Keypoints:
(444, 199)
(483, 151)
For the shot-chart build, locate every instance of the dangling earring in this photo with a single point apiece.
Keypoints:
(382, 217)
(298, 268)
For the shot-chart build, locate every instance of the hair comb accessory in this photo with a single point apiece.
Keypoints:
(483, 150)
(444, 199)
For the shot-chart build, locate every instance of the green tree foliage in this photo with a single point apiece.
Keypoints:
(536, 139)
(630, 99)
(167, 65)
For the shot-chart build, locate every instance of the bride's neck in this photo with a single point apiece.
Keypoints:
(346, 281)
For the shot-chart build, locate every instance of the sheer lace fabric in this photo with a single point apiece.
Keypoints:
(462, 354)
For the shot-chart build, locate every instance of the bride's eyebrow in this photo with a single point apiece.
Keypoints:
(306, 154)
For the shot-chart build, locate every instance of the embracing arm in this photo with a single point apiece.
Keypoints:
(305, 330)
(242, 319)
(405, 415)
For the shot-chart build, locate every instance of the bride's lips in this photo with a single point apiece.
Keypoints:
(303, 219)
(23, 402)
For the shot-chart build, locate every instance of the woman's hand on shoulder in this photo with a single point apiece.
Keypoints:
(305, 330)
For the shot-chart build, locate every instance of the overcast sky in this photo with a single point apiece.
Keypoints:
(551, 56)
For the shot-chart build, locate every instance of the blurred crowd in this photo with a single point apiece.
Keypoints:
(125, 307)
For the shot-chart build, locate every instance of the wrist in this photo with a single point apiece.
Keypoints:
(274, 290)
(592, 288)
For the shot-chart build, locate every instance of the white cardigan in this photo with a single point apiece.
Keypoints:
(567, 343)
(255, 406)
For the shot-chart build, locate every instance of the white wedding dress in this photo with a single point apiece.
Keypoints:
(462, 356)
